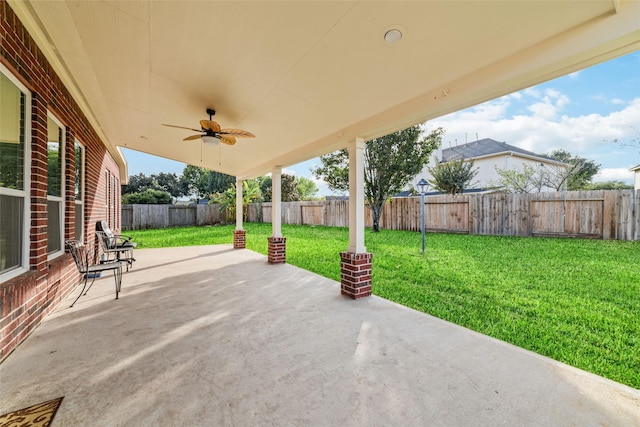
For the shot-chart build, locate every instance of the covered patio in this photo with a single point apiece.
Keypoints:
(210, 335)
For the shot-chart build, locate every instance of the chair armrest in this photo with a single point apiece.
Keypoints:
(122, 238)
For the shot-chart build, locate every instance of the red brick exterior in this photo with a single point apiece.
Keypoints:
(355, 274)
(25, 300)
(239, 239)
(277, 250)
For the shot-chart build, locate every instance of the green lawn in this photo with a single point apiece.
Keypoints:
(576, 301)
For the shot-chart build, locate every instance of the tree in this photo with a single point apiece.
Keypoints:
(288, 186)
(137, 184)
(527, 180)
(576, 177)
(168, 182)
(147, 197)
(608, 185)
(306, 188)
(452, 177)
(334, 170)
(389, 164)
(11, 174)
(218, 182)
(264, 182)
(194, 182)
(227, 199)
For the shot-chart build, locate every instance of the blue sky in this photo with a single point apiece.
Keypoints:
(583, 113)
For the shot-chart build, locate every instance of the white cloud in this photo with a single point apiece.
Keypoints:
(542, 131)
(288, 171)
(552, 93)
(574, 75)
(544, 110)
(550, 104)
(533, 92)
(515, 95)
(614, 174)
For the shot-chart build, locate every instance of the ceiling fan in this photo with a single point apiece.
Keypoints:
(211, 132)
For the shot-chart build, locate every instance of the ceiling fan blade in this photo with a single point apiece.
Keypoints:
(192, 137)
(182, 127)
(229, 140)
(239, 133)
(210, 125)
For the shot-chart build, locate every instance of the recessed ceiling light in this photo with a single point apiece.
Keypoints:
(393, 36)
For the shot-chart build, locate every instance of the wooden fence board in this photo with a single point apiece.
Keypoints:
(312, 214)
(208, 215)
(595, 214)
(636, 214)
(447, 213)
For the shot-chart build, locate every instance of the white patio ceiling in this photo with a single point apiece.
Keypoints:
(307, 77)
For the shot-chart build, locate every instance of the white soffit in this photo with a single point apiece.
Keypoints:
(307, 77)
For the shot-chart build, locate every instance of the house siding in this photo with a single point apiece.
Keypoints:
(487, 175)
(29, 297)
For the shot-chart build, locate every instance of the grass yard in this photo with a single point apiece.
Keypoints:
(576, 301)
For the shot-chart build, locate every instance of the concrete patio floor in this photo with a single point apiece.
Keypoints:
(212, 336)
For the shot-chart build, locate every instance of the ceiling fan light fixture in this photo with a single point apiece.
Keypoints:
(208, 139)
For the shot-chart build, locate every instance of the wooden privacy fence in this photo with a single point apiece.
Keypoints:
(588, 214)
(596, 214)
(137, 217)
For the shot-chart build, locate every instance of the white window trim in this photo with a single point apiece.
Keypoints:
(107, 196)
(60, 199)
(26, 193)
(82, 183)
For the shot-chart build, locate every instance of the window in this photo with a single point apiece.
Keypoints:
(79, 192)
(55, 189)
(107, 198)
(14, 175)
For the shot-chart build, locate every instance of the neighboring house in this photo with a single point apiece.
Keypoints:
(636, 177)
(57, 179)
(488, 155)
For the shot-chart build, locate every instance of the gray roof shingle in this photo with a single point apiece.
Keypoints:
(484, 147)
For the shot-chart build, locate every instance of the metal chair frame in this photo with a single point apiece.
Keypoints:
(80, 255)
(117, 244)
(123, 252)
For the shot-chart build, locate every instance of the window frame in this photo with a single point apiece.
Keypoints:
(107, 197)
(25, 193)
(80, 202)
(59, 199)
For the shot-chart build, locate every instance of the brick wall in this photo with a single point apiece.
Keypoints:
(355, 274)
(277, 250)
(239, 239)
(28, 298)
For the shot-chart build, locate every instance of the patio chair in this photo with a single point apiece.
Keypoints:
(121, 246)
(81, 257)
(122, 253)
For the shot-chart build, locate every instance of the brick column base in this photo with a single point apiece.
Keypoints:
(355, 274)
(277, 250)
(239, 239)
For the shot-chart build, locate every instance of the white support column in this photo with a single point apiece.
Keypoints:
(356, 263)
(276, 202)
(239, 187)
(356, 196)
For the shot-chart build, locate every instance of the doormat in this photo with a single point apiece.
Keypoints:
(39, 415)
